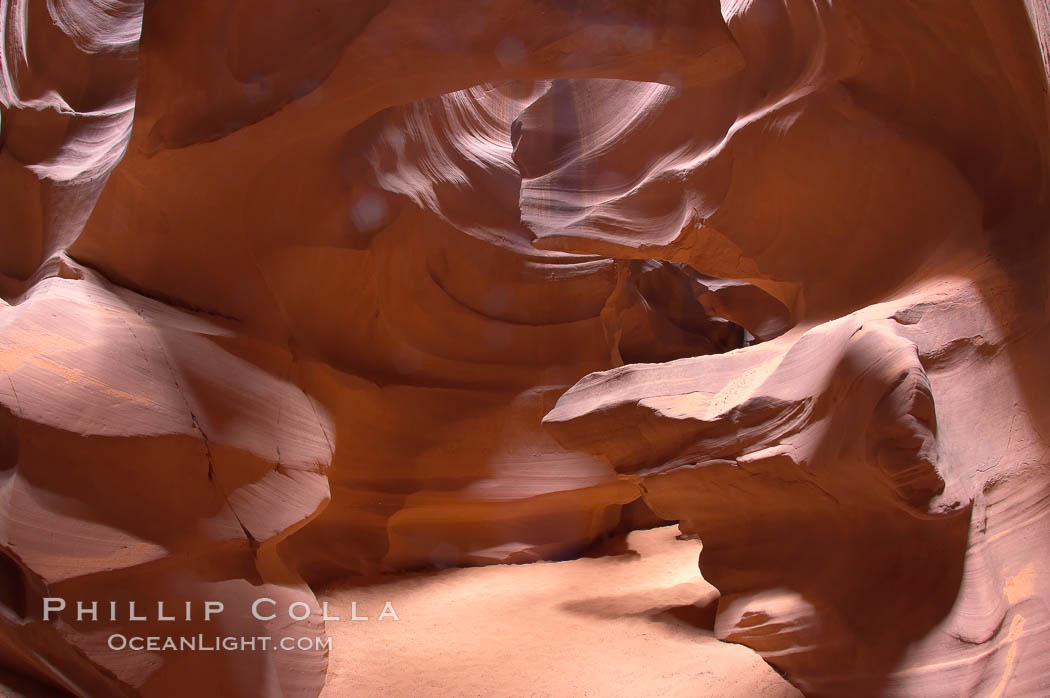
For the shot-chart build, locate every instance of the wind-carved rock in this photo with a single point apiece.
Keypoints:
(832, 485)
(870, 486)
(350, 255)
(836, 528)
(296, 306)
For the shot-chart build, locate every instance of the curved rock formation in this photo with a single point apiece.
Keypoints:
(850, 479)
(298, 291)
(813, 464)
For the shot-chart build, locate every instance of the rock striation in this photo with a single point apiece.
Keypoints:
(293, 292)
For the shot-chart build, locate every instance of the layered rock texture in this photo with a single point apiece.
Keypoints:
(301, 291)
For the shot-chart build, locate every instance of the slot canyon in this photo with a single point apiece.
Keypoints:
(524, 348)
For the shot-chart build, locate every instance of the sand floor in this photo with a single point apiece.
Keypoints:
(633, 621)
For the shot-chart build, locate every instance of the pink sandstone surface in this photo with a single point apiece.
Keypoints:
(301, 294)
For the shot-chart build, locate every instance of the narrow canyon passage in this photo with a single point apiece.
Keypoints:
(447, 304)
(631, 619)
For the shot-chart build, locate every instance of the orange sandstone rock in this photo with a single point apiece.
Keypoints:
(298, 291)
